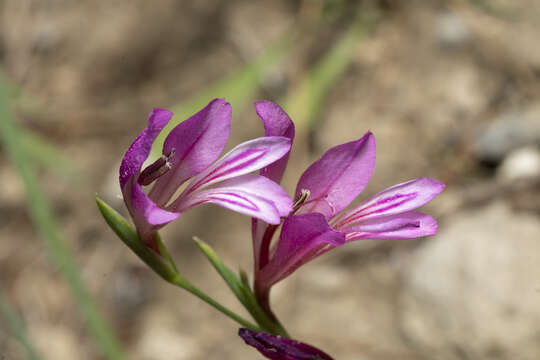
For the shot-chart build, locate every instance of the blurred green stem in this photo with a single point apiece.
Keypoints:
(304, 102)
(238, 86)
(15, 326)
(45, 222)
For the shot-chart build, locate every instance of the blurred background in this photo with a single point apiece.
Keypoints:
(450, 88)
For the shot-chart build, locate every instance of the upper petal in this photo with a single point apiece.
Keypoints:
(280, 348)
(140, 148)
(338, 176)
(276, 123)
(394, 200)
(197, 142)
(243, 159)
(249, 194)
(408, 225)
(303, 237)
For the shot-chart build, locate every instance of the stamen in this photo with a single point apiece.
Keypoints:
(304, 195)
(157, 169)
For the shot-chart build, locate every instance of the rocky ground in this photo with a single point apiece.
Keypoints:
(449, 88)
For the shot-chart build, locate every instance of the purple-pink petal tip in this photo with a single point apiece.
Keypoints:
(279, 348)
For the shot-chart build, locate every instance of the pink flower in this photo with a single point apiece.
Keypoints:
(191, 151)
(320, 221)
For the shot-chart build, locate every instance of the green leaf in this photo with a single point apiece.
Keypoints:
(244, 278)
(129, 236)
(230, 278)
(242, 291)
(165, 253)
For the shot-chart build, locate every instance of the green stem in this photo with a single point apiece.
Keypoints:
(267, 320)
(163, 265)
(186, 285)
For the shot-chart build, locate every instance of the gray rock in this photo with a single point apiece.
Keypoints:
(520, 164)
(473, 292)
(452, 32)
(511, 130)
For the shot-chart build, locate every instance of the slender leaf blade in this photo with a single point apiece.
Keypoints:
(129, 236)
(306, 100)
(45, 222)
(15, 326)
(242, 291)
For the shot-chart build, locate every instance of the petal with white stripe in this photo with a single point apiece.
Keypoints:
(243, 159)
(253, 195)
(394, 200)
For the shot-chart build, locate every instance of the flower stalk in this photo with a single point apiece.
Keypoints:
(162, 264)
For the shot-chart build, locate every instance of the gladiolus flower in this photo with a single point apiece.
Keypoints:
(191, 151)
(319, 221)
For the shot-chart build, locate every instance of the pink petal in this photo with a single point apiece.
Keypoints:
(197, 142)
(147, 216)
(408, 225)
(394, 200)
(276, 123)
(262, 187)
(243, 159)
(303, 237)
(249, 194)
(140, 148)
(338, 176)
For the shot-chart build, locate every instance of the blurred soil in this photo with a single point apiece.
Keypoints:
(449, 88)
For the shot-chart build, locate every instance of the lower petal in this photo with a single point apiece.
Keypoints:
(408, 225)
(303, 238)
(397, 199)
(252, 195)
(147, 216)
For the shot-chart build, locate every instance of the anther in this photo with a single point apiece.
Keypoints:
(157, 169)
(304, 195)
